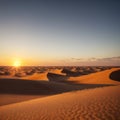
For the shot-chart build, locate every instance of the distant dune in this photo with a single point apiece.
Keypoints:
(36, 76)
(43, 76)
(94, 104)
(56, 77)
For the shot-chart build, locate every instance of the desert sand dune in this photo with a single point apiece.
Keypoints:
(57, 71)
(102, 77)
(82, 102)
(17, 90)
(71, 73)
(31, 73)
(10, 88)
(42, 76)
(36, 76)
(6, 99)
(94, 104)
(115, 75)
(56, 77)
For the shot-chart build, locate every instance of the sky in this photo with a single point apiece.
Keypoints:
(60, 32)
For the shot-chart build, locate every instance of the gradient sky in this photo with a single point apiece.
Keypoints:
(60, 32)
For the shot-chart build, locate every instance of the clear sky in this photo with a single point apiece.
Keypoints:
(60, 32)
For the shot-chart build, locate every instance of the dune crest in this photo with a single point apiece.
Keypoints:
(102, 77)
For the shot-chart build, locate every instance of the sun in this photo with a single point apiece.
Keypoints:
(17, 63)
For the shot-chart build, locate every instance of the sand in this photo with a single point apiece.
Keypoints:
(90, 97)
(102, 77)
(6, 99)
(97, 104)
(36, 76)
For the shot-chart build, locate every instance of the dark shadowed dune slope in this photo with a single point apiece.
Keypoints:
(115, 75)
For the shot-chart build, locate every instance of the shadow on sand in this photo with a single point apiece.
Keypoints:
(115, 75)
(32, 87)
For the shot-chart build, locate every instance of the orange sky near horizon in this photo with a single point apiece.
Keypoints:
(60, 33)
(114, 61)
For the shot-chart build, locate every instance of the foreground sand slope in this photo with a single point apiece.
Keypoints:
(93, 104)
(102, 77)
(17, 90)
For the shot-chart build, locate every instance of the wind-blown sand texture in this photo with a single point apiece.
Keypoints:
(83, 100)
(94, 104)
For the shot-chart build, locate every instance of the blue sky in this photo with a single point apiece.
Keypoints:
(52, 32)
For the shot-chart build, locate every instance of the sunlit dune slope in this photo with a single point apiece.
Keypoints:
(42, 76)
(93, 104)
(102, 77)
(36, 76)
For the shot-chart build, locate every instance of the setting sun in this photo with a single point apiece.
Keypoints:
(17, 63)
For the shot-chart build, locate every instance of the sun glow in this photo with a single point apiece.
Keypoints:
(17, 63)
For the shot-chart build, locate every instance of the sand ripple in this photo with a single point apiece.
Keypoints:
(93, 104)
